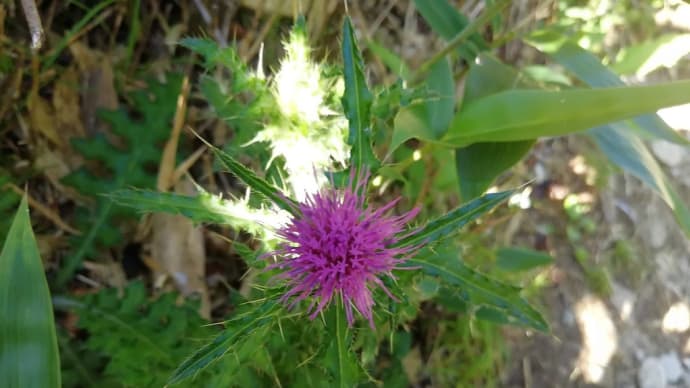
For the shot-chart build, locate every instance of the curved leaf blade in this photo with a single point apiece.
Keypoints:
(529, 114)
(28, 344)
(589, 69)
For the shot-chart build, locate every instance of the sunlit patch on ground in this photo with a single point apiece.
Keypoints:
(599, 339)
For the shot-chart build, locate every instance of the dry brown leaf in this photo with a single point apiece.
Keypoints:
(66, 102)
(178, 250)
(42, 119)
(98, 86)
(109, 273)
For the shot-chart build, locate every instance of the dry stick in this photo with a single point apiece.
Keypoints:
(44, 210)
(33, 19)
(460, 38)
(167, 168)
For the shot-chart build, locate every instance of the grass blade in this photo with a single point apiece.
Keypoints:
(28, 344)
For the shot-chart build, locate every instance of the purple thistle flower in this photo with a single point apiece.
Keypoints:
(338, 247)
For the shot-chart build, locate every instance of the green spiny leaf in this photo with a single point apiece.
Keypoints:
(339, 357)
(254, 181)
(357, 102)
(454, 220)
(201, 208)
(237, 331)
(482, 290)
(28, 344)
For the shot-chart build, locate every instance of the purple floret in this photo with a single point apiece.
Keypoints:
(339, 247)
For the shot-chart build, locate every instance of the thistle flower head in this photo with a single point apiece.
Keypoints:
(340, 248)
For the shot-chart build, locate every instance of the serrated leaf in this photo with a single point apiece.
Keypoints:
(529, 114)
(28, 344)
(357, 101)
(201, 208)
(454, 220)
(482, 290)
(256, 183)
(521, 259)
(237, 331)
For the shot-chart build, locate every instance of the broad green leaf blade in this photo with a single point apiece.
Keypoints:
(339, 356)
(441, 106)
(481, 290)
(357, 101)
(201, 208)
(516, 259)
(479, 164)
(238, 330)
(427, 120)
(28, 345)
(617, 140)
(589, 69)
(630, 153)
(454, 220)
(643, 58)
(252, 180)
(529, 114)
(446, 21)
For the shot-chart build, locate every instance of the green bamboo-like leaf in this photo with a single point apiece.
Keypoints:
(238, 331)
(396, 64)
(428, 119)
(521, 259)
(357, 101)
(204, 207)
(446, 21)
(589, 69)
(252, 180)
(529, 114)
(339, 357)
(28, 345)
(619, 141)
(454, 220)
(477, 165)
(482, 291)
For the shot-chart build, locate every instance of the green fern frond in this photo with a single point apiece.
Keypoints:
(125, 166)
